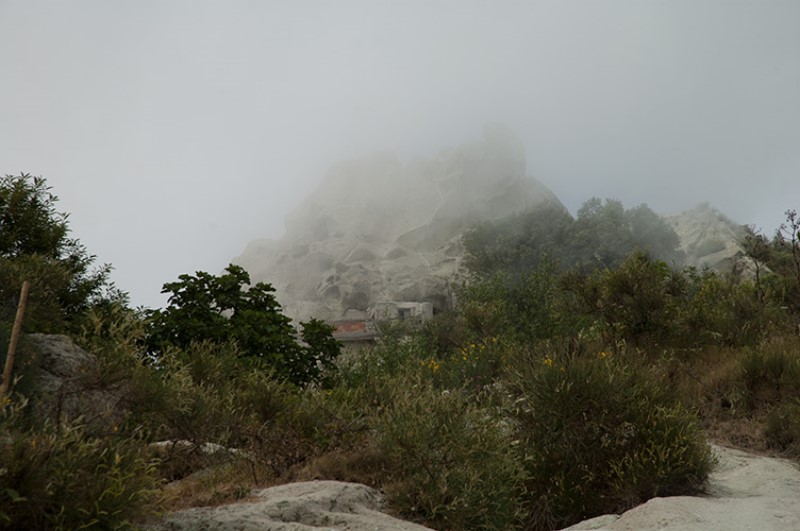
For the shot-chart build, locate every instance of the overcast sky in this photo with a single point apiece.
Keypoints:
(177, 131)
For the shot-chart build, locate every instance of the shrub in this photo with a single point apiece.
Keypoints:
(444, 333)
(722, 311)
(56, 477)
(782, 430)
(206, 394)
(635, 300)
(451, 462)
(523, 307)
(768, 386)
(599, 435)
(770, 374)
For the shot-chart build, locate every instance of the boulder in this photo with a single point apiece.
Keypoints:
(62, 386)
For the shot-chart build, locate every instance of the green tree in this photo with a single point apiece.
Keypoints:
(519, 243)
(320, 350)
(35, 246)
(787, 246)
(204, 307)
(602, 235)
(649, 231)
(776, 263)
(757, 246)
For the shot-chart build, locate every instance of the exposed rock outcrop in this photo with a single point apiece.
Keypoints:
(60, 372)
(745, 492)
(709, 239)
(377, 230)
(318, 505)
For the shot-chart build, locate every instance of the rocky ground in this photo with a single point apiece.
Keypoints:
(317, 505)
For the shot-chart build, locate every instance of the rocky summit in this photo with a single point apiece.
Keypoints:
(709, 239)
(378, 232)
(379, 235)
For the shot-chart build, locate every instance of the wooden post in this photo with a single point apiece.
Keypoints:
(12, 344)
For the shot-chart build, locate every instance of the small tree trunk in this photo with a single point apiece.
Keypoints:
(12, 344)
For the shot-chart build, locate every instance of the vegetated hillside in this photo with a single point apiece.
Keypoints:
(378, 230)
(547, 396)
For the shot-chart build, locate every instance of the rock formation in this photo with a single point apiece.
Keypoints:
(63, 389)
(314, 505)
(709, 239)
(378, 231)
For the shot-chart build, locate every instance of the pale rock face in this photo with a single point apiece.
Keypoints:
(62, 391)
(378, 230)
(311, 506)
(709, 239)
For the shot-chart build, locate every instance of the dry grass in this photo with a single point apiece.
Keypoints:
(743, 433)
(365, 465)
(232, 482)
(711, 382)
(216, 485)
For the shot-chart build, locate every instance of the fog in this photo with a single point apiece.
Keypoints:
(177, 131)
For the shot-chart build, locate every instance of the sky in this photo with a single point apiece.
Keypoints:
(176, 131)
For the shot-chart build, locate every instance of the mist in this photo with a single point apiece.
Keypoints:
(175, 132)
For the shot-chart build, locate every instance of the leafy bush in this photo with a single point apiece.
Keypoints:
(523, 307)
(723, 311)
(770, 374)
(451, 463)
(769, 384)
(634, 302)
(205, 394)
(55, 477)
(599, 435)
(782, 430)
(646, 302)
